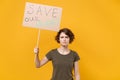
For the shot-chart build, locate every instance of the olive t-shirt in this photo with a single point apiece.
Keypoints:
(62, 64)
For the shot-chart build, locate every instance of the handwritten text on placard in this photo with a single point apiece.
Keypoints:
(42, 16)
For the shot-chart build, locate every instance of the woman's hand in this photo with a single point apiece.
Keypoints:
(36, 50)
(38, 62)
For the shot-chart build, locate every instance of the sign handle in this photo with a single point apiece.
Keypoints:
(38, 39)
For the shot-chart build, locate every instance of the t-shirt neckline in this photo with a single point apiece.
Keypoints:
(63, 54)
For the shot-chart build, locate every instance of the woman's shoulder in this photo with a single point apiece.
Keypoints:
(74, 52)
(53, 50)
(50, 52)
(76, 55)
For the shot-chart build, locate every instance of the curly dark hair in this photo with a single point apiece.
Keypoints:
(68, 32)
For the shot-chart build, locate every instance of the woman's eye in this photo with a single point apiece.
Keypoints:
(61, 37)
(66, 37)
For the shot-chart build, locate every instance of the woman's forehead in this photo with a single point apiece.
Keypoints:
(63, 34)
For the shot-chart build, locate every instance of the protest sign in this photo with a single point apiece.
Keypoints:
(42, 16)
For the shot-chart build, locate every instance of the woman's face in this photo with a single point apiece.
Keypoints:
(64, 39)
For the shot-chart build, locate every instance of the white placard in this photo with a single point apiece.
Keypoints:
(42, 16)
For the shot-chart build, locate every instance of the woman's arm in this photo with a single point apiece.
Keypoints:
(76, 70)
(38, 62)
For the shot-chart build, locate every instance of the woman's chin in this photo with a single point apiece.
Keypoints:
(65, 45)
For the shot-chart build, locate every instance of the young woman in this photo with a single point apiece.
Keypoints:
(64, 60)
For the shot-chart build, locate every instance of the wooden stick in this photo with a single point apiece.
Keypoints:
(38, 39)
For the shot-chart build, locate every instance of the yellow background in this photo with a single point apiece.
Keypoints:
(96, 24)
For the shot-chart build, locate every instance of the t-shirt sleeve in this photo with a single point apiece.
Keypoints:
(49, 55)
(76, 57)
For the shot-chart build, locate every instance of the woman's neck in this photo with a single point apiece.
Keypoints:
(63, 50)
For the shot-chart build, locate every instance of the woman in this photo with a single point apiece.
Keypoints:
(64, 60)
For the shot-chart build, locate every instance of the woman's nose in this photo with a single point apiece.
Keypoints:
(64, 38)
